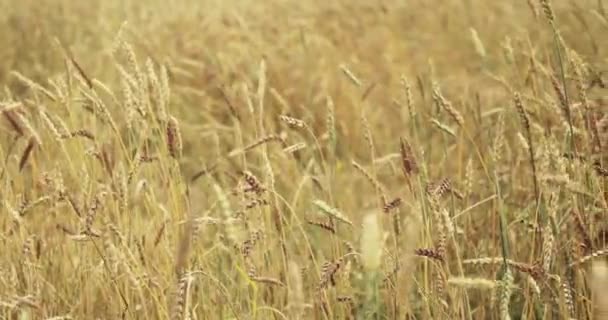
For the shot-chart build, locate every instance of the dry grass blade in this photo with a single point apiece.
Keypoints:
(180, 174)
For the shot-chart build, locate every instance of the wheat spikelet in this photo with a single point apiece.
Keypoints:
(252, 271)
(52, 127)
(439, 189)
(328, 273)
(153, 84)
(477, 43)
(408, 162)
(332, 212)
(447, 106)
(261, 141)
(469, 178)
(295, 147)
(254, 184)
(256, 203)
(174, 138)
(268, 280)
(429, 253)
(27, 153)
(8, 114)
(123, 192)
(93, 208)
(547, 10)
(330, 123)
(391, 205)
(499, 140)
(350, 75)
(134, 168)
(504, 294)
(181, 301)
(443, 127)
(547, 249)
(112, 228)
(323, 225)
(247, 246)
(292, 122)
(487, 261)
(367, 134)
(80, 71)
(409, 99)
(559, 92)
(33, 133)
(130, 102)
(568, 300)
(439, 285)
(523, 115)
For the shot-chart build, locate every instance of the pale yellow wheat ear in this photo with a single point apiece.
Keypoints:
(331, 211)
(371, 243)
(477, 43)
(473, 283)
(504, 294)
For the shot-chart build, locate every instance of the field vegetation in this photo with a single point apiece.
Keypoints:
(283, 159)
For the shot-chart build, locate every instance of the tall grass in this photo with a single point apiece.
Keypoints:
(303, 160)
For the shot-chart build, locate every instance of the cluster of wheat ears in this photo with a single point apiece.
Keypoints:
(153, 194)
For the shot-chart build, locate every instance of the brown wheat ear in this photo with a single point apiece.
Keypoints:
(328, 272)
(389, 206)
(253, 183)
(27, 153)
(328, 226)
(408, 161)
(174, 138)
(429, 253)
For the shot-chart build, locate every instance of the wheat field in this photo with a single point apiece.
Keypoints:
(283, 159)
